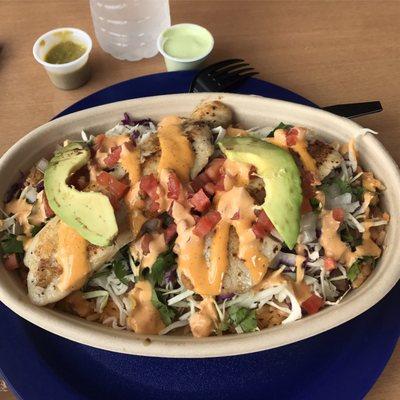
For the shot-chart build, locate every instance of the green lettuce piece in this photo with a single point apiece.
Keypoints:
(167, 313)
(243, 317)
(162, 264)
(121, 269)
(281, 125)
(10, 244)
(354, 270)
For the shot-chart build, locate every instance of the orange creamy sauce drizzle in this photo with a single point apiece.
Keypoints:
(204, 321)
(334, 247)
(176, 151)
(206, 276)
(22, 210)
(72, 256)
(236, 174)
(108, 143)
(144, 317)
(300, 147)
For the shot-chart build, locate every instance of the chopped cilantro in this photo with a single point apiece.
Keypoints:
(344, 187)
(167, 313)
(121, 269)
(163, 263)
(36, 229)
(10, 244)
(243, 317)
(357, 191)
(354, 270)
(314, 204)
(224, 325)
(370, 260)
(351, 236)
(166, 219)
(280, 126)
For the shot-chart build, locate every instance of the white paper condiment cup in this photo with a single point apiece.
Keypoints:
(183, 64)
(70, 75)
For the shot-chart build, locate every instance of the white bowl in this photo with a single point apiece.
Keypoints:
(250, 111)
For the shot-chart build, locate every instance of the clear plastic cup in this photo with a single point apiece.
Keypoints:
(70, 75)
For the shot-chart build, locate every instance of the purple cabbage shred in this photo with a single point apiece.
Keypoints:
(128, 120)
(40, 186)
(222, 297)
(170, 276)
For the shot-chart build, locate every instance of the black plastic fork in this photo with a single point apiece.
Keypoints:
(223, 75)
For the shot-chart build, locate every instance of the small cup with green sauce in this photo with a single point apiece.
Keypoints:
(64, 54)
(185, 46)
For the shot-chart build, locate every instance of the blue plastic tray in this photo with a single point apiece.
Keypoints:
(341, 363)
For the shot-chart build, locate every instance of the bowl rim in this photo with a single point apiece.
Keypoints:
(100, 336)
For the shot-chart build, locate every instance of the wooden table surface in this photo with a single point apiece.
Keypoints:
(328, 51)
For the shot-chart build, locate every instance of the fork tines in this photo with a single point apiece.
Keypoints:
(222, 75)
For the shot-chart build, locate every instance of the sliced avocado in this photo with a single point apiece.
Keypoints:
(89, 213)
(281, 178)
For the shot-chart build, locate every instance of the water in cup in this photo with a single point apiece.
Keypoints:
(128, 30)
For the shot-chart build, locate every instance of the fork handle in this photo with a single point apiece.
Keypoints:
(352, 110)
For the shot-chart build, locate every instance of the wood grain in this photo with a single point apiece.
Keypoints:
(328, 51)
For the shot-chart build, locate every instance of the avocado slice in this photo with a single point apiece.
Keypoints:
(281, 178)
(89, 213)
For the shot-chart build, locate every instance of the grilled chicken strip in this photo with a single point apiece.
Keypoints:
(237, 277)
(44, 270)
(326, 157)
(200, 137)
(214, 113)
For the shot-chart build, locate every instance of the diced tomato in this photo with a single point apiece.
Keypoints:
(258, 231)
(174, 186)
(305, 206)
(148, 185)
(130, 146)
(200, 181)
(10, 261)
(206, 223)
(307, 182)
(313, 304)
(236, 216)
(329, 263)
(200, 201)
(209, 188)
(291, 137)
(113, 200)
(262, 226)
(338, 214)
(47, 209)
(265, 221)
(98, 141)
(153, 206)
(220, 184)
(113, 157)
(170, 232)
(145, 243)
(112, 185)
(213, 171)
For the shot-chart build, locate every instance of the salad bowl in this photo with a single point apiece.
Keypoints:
(250, 111)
